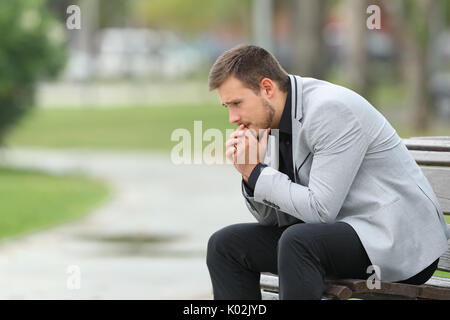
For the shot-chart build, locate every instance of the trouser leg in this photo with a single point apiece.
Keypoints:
(309, 252)
(301, 254)
(236, 256)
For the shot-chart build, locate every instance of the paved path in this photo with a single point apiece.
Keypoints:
(148, 241)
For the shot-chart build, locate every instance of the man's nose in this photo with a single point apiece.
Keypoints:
(234, 117)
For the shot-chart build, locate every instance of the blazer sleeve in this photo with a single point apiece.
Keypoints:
(339, 145)
(265, 214)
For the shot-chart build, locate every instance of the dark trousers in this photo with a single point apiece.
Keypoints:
(301, 254)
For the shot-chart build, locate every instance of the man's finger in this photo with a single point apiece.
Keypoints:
(251, 133)
(238, 132)
(231, 142)
(230, 153)
(240, 141)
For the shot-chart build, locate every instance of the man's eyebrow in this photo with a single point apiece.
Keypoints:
(231, 101)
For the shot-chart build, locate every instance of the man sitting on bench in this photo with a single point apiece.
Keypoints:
(334, 189)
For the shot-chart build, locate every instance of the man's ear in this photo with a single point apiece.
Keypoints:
(267, 87)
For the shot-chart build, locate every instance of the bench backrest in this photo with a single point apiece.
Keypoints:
(433, 156)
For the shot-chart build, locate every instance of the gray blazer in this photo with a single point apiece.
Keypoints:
(351, 166)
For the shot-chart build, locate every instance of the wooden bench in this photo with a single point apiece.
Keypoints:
(433, 155)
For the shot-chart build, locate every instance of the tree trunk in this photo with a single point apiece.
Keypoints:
(262, 16)
(356, 64)
(414, 53)
(308, 58)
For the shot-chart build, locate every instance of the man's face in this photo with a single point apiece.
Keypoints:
(245, 106)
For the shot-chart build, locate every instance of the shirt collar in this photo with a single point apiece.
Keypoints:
(285, 125)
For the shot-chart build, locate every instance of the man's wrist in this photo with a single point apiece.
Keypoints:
(254, 175)
(245, 177)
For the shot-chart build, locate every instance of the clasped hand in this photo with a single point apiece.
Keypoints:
(245, 150)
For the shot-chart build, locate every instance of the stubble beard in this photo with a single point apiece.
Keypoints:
(269, 114)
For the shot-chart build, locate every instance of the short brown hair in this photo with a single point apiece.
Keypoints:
(250, 64)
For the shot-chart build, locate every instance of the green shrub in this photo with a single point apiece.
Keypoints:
(31, 48)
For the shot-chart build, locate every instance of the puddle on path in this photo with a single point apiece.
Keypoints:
(145, 245)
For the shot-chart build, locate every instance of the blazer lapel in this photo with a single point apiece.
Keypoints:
(300, 151)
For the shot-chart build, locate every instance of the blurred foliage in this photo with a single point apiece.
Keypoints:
(114, 13)
(31, 47)
(195, 15)
(417, 21)
(445, 5)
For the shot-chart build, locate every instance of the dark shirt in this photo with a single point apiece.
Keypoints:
(285, 148)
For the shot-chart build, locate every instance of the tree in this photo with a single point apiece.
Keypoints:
(193, 17)
(31, 48)
(309, 17)
(411, 21)
(357, 58)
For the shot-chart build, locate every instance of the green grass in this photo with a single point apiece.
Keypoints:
(117, 128)
(442, 274)
(32, 201)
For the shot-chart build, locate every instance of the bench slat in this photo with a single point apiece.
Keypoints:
(337, 292)
(431, 158)
(444, 261)
(435, 138)
(439, 282)
(435, 288)
(439, 179)
(397, 289)
(269, 284)
(266, 295)
(427, 144)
